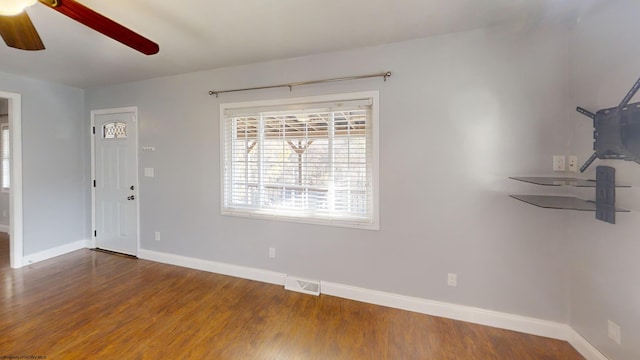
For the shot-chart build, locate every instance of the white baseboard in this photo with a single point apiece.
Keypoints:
(214, 267)
(450, 311)
(470, 314)
(56, 251)
(5, 228)
(583, 346)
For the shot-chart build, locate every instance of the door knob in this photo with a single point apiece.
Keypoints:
(132, 188)
(132, 197)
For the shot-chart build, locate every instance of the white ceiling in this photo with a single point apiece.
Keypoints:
(205, 34)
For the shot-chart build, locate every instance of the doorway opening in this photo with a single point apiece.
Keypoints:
(11, 103)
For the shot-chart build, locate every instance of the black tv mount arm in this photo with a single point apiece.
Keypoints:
(616, 131)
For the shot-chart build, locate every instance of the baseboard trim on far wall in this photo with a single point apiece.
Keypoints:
(450, 311)
(56, 251)
(243, 272)
(470, 314)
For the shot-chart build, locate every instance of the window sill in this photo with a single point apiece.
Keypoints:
(303, 220)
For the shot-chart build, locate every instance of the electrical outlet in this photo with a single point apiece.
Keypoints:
(452, 280)
(614, 331)
(558, 163)
(573, 163)
(157, 236)
(272, 253)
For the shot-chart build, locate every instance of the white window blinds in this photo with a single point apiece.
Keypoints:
(311, 160)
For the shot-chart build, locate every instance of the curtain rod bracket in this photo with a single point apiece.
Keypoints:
(384, 75)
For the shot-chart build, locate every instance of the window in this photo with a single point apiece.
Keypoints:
(307, 159)
(114, 130)
(6, 156)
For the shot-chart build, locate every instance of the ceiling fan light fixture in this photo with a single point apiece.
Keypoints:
(17, 30)
(14, 7)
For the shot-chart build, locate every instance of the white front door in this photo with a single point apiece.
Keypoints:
(115, 159)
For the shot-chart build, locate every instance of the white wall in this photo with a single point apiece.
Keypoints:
(55, 171)
(460, 114)
(4, 197)
(605, 259)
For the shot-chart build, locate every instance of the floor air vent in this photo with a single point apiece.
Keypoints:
(311, 287)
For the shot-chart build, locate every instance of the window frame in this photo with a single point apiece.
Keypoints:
(262, 214)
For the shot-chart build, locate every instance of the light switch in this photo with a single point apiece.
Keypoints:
(149, 172)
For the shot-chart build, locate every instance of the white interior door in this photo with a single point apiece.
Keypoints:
(116, 180)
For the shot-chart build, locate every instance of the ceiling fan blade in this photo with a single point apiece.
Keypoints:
(104, 25)
(18, 32)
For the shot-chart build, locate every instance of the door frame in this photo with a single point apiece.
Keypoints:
(16, 230)
(93, 133)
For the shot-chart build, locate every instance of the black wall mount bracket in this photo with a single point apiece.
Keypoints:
(616, 130)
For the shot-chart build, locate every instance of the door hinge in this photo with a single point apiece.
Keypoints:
(94, 183)
(94, 130)
(95, 233)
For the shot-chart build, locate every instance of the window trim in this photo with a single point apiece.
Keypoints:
(373, 95)
(4, 126)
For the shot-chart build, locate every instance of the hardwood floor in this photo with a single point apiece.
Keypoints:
(4, 251)
(90, 305)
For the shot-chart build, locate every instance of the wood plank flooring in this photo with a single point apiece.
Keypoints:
(4, 250)
(91, 305)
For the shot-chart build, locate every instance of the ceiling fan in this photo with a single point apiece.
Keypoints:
(18, 31)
